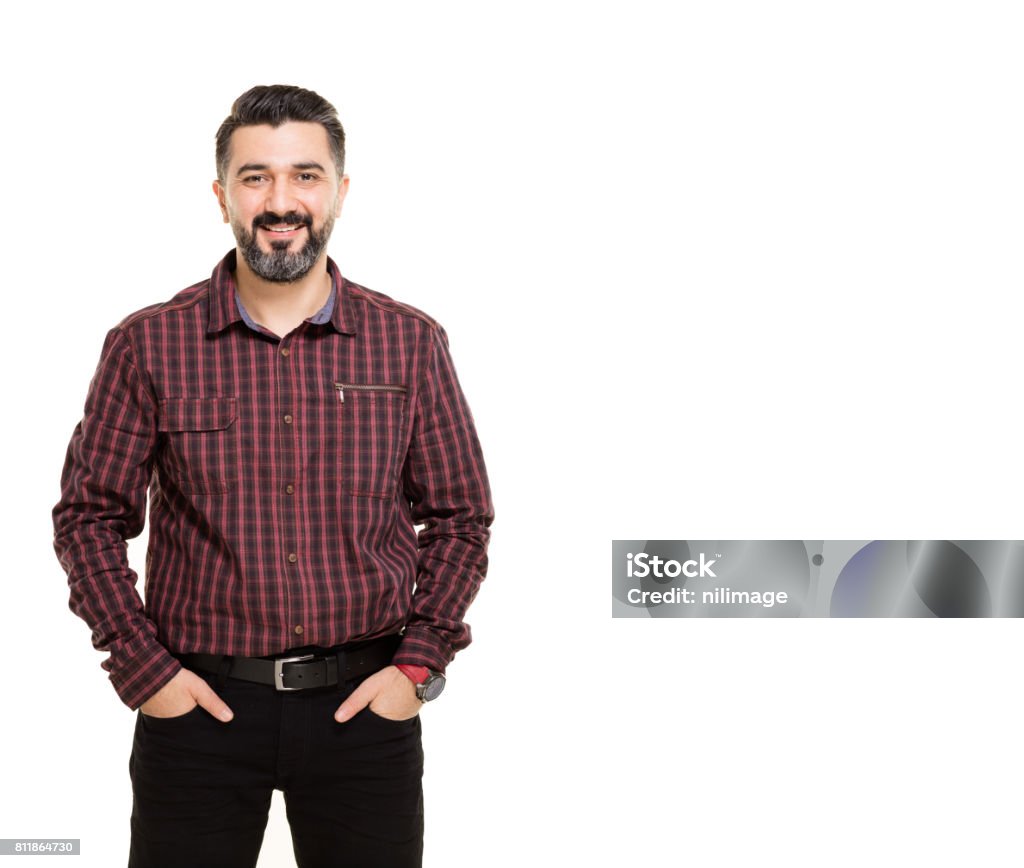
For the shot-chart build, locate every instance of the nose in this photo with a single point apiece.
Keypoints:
(280, 199)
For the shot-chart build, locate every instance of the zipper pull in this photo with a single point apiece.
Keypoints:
(341, 391)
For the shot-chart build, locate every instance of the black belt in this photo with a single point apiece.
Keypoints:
(300, 671)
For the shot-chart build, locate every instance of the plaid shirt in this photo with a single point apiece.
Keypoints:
(285, 479)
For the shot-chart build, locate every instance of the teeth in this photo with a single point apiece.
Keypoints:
(284, 229)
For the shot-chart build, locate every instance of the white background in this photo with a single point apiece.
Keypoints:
(710, 270)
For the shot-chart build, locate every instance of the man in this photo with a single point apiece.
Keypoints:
(291, 429)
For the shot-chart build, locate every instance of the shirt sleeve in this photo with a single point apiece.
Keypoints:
(104, 485)
(446, 483)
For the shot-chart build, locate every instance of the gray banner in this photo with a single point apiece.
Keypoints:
(40, 847)
(817, 578)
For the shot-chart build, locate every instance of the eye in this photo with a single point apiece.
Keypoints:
(307, 177)
(253, 179)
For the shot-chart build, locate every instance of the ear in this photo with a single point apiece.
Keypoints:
(342, 192)
(219, 192)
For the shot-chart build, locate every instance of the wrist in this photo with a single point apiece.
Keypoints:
(429, 684)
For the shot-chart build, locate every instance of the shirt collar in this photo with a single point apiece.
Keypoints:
(225, 310)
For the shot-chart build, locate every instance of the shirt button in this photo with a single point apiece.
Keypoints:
(288, 419)
(298, 630)
(289, 489)
(292, 557)
(285, 351)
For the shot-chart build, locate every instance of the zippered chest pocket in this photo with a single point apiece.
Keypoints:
(372, 418)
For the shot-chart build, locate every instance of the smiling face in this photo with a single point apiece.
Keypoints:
(281, 194)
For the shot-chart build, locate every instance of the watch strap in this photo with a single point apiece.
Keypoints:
(416, 674)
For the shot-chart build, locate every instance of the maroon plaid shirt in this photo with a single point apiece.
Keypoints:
(285, 480)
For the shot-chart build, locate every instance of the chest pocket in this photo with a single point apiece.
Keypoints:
(201, 438)
(372, 416)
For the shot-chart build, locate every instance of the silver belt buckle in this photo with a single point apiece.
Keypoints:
(279, 674)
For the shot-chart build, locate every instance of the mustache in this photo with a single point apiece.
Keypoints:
(270, 218)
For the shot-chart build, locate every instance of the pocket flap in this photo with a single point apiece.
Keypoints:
(196, 414)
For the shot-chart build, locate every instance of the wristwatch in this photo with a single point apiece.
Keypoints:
(429, 683)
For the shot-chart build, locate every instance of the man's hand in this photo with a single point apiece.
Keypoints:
(181, 694)
(388, 693)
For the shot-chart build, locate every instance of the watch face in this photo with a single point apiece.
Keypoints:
(432, 687)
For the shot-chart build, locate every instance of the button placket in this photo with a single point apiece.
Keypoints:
(288, 376)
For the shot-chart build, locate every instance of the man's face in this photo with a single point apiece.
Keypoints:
(281, 194)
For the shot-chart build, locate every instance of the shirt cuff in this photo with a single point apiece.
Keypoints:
(140, 670)
(423, 647)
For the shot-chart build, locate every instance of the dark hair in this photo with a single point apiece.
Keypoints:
(277, 104)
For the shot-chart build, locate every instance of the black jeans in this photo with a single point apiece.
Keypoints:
(202, 788)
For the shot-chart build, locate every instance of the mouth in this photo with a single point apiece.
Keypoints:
(283, 230)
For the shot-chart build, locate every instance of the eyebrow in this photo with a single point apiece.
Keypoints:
(263, 167)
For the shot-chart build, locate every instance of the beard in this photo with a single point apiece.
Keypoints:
(280, 266)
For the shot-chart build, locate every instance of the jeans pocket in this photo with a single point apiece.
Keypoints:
(171, 721)
(393, 720)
